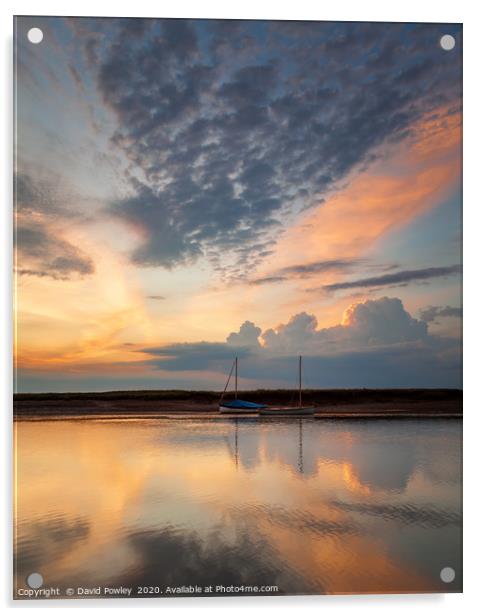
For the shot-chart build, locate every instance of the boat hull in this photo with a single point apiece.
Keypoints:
(294, 411)
(235, 411)
(240, 406)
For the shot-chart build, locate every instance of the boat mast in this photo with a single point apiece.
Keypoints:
(236, 378)
(300, 383)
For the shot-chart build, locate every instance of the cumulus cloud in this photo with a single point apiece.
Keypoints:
(299, 333)
(377, 344)
(383, 321)
(367, 324)
(432, 313)
(248, 335)
(233, 128)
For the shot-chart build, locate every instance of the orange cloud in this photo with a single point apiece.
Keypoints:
(407, 180)
(411, 178)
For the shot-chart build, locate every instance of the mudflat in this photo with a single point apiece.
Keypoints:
(335, 402)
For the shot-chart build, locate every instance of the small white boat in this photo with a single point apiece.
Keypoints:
(290, 411)
(236, 406)
(287, 411)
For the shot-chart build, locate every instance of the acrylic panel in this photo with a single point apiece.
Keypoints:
(238, 309)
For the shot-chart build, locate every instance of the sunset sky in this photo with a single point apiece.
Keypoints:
(188, 191)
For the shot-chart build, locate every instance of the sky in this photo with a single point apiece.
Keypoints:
(188, 191)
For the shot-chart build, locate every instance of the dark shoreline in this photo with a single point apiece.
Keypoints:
(335, 403)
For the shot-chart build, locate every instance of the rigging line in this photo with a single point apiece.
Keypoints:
(227, 382)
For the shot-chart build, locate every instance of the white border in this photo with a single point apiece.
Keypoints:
(350, 10)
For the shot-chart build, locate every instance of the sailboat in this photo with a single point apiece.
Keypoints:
(290, 411)
(237, 405)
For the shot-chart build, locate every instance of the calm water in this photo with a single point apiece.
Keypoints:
(308, 506)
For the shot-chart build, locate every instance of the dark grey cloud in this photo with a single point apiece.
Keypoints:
(40, 197)
(395, 279)
(41, 253)
(266, 280)
(398, 366)
(25, 190)
(305, 270)
(432, 313)
(76, 76)
(156, 297)
(41, 205)
(232, 128)
(195, 356)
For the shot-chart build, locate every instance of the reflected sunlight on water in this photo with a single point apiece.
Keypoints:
(310, 506)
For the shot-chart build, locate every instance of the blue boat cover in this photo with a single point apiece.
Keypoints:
(242, 404)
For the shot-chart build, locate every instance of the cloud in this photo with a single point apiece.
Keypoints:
(397, 278)
(76, 76)
(247, 336)
(383, 321)
(40, 249)
(43, 254)
(25, 192)
(266, 280)
(305, 270)
(232, 130)
(156, 297)
(194, 356)
(377, 344)
(299, 333)
(431, 313)
(166, 243)
(367, 324)
(40, 196)
(416, 176)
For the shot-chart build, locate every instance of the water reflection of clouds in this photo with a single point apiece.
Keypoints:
(316, 505)
(374, 455)
(379, 461)
(170, 558)
(49, 540)
(300, 518)
(408, 513)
